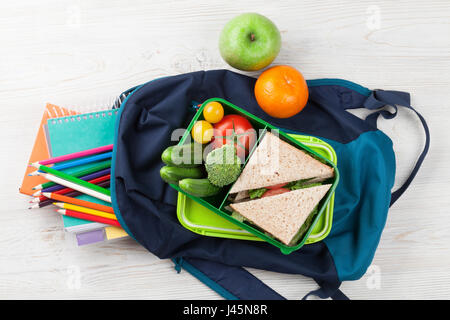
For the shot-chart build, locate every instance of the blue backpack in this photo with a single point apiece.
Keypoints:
(146, 206)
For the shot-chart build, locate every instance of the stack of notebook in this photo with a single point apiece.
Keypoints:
(63, 132)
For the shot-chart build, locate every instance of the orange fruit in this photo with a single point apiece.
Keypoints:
(281, 91)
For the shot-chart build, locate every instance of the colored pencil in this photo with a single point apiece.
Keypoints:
(82, 161)
(38, 199)
(74, 183)
(80, 173)
(92, 178)
(43, 201)
(88, 217)
(76, 155)
(41, 204)
(94, 212)
(66, 191)
(78, 202)
(86, 187)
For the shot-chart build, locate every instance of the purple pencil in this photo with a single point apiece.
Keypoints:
(87, 177)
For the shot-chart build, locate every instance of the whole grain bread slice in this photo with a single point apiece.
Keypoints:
(275, 161)
(282, 215)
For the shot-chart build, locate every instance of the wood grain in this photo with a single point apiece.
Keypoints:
(84, 53)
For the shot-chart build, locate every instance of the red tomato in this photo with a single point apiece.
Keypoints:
(276, 186)
(273, 192)
(233, 123)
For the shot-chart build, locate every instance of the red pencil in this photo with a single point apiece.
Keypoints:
(88, 217)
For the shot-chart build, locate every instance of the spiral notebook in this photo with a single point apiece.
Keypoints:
(76, 133)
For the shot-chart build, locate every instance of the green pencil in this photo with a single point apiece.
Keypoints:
(74, 183)
(79, 173)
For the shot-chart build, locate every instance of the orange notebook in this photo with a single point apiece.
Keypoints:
(40, 149)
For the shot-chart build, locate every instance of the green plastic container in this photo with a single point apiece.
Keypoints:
(217, 203)
(198, 219)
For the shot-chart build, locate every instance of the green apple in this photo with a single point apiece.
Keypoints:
(249, 42)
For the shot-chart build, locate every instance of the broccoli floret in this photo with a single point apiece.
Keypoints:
(223, 165)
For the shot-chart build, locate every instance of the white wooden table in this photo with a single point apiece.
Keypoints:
(83, 53)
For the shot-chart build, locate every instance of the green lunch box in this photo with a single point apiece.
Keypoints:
(201, 220)
(208, 216)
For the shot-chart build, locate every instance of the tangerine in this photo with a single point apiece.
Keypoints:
(281, 91)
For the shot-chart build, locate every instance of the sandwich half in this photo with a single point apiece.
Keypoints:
(283, 215)
(275, 161)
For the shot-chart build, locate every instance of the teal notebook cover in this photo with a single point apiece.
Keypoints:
(77, 133)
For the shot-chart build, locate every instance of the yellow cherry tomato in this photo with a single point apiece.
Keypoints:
(213, 112)
(202, 132)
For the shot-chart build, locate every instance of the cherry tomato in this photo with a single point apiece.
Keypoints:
(239, 127)
(213, 112)
(276, 186)
(202, 131)
(273, 192)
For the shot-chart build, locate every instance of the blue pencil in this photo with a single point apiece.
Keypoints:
(82, 161)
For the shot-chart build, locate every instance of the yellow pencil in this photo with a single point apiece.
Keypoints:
(85, 210)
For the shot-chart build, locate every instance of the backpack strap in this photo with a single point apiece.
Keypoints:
(327, 290)
(236, 283)
(379, 99)
(232, 283)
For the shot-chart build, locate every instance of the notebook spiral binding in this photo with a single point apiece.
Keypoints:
(118, 102)
(92, 109)
(85, 116)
